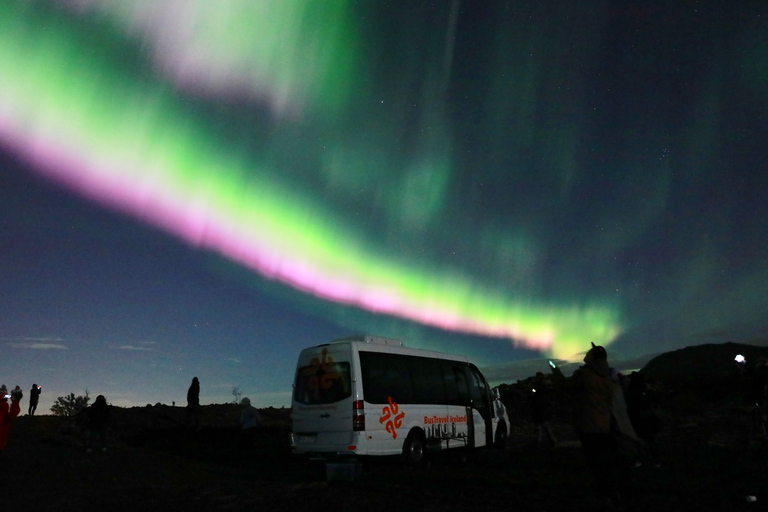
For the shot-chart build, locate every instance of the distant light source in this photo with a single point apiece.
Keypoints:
(740, 359)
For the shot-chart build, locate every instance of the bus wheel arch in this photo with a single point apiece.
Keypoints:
(415, 447)
(500, 439)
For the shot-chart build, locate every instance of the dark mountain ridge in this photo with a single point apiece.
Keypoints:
(708, 364)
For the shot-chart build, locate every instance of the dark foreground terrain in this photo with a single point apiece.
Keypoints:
(712, 460)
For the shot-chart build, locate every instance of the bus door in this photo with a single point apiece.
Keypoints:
(462, 419)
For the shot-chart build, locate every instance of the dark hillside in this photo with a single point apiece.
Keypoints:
(702, 365)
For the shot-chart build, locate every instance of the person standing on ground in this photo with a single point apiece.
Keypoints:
(98, 417)
(541, 410)
(193, 404)
(17, 394)
(34, 397)
(7, 416)
(592, 392)
(250, 420)
(643, 416)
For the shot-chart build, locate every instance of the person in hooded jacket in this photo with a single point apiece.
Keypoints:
(599, 426)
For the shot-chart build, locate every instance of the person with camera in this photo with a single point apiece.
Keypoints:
(34, 398)
(8, 415)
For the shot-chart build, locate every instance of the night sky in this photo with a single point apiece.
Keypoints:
(204, 188)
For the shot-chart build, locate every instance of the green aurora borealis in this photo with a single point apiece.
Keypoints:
(86, 102)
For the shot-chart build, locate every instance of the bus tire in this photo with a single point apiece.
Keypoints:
(415, 449)
(500, 439)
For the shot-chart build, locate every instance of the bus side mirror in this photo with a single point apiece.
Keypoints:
(496, 394)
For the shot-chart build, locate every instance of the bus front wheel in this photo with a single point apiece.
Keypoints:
(414, 449)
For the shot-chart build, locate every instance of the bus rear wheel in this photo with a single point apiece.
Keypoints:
(414, 449)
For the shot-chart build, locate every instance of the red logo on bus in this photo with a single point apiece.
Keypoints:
(391, 411)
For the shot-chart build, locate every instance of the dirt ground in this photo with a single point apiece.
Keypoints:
(712, 461)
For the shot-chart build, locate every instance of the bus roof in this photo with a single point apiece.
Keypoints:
(369, 343)
(367, 338)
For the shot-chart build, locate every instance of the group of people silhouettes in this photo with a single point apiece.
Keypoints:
(97, 415)
(10, 407)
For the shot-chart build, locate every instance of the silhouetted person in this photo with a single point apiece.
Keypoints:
(34, 397)
(17, 394)
(193, 404)
(541, 410)
(98, 418)
(642, 415)
(8, 415)
(592, 392)
(250, 420)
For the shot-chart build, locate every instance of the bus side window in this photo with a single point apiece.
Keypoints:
(386, 376)
(449, 382)
(428, 385)
(456, 385)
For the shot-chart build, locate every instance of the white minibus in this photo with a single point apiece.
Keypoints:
(369, 395)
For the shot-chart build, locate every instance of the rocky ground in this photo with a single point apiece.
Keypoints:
(712, 460)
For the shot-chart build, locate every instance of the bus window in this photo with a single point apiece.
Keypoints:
(449, 383)
(385, 376)
(457, 390)
(322, 383)
(462, 385)
(428, 386)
